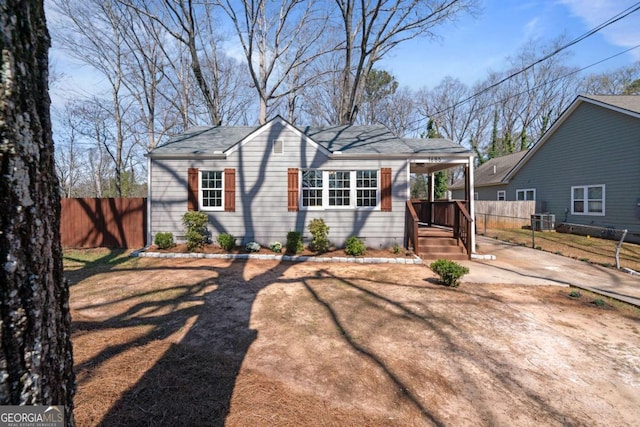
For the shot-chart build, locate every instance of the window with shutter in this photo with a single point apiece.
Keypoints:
(192, 189)
(385, 190)
(229, 190)
(292, 186)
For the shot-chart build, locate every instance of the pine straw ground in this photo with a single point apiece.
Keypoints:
(264, 343)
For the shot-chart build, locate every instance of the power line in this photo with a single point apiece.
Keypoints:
(615, 18)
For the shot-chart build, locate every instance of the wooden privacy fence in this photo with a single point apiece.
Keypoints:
(110, 223)
(503, 213)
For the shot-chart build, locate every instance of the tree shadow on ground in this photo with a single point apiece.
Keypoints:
(192, 383)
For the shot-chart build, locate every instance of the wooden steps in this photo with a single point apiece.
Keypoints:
(438, 243)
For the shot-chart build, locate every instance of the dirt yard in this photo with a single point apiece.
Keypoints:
(262, 343)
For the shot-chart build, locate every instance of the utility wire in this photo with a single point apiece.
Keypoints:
(615, 18)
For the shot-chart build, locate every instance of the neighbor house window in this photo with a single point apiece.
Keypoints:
(211, 190)
(311, 188)
(340, 189)
(587, 200)
(502, 195)
(526, 194)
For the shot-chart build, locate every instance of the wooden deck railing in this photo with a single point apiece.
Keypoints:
(462, 226)
(452, 214)
(411, 221)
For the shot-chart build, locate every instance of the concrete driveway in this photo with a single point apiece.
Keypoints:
(514, 264)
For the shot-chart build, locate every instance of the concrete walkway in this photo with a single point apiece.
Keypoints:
(515, 264)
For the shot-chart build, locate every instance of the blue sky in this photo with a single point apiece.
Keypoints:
(470, 48)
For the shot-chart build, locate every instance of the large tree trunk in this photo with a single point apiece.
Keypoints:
(36, 364)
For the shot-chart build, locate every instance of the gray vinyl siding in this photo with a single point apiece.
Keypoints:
(593, 146)
(261, 194)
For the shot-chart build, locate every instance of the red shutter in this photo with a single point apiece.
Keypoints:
(192, 189)
(385, 189)
(293, 189)
(229, 190)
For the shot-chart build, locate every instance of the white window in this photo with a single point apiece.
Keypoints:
(502, 195)
(526, 194)
(278, 146)
(311, 188)
(340, 189)
(211, 191)
(367, 188)
(587, 200)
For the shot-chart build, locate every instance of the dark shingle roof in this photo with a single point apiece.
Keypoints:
(358, 140)
(493, 171)
(204, 140)
(626, 102)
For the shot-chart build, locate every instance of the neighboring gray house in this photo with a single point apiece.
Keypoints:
(259, 183)
(586, 168)
(489, 177)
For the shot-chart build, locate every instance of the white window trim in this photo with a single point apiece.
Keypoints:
(352, 192)
(586, 200)
(301, 192)
(525, 190)
(502, 193)
(200, 189)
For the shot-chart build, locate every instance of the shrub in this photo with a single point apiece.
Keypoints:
(396, 249)
(227, 241)
(575, 294)
(276, 247)
(294, 242)
(319, 235)
(450, 272)
(354, 246)
(252, 247)
(196, 224)
(164, 240)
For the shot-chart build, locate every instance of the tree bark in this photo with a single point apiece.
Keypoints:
(36, 364)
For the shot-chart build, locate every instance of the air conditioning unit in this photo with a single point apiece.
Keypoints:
(543, 222)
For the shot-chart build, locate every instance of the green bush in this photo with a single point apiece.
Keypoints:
(227, 241)
(276, 247)
(252, 247)
(354, 246)
(319, 235)
(197, 233)
(294, 242)
(164, 240)
(450, 272)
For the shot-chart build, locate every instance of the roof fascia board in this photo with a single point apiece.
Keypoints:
(415, 158)
(186, 156)
(268, 126)
(610, 107)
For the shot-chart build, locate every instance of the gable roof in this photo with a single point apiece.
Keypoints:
(351, 140)
(493, 171)
(625, 104)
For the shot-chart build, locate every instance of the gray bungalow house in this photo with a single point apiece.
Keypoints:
(585, 169)
(259, 183)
